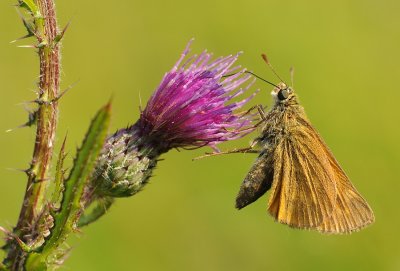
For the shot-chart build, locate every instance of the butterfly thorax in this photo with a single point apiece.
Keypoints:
(281, 121)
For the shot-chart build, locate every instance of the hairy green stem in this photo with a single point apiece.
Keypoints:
(49, 54)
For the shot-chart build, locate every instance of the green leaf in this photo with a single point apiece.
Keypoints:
(30, 6)
(99, 207)
(60, 35)
(29, 27)
(3, 267)
(66, 218)
(59, 179)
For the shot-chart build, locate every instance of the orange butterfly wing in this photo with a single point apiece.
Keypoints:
(352, 212)
(310, 190)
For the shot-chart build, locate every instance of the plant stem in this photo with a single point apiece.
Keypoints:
(46, 32)
(47, 115)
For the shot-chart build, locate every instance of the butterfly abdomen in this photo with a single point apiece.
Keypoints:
(257, 181)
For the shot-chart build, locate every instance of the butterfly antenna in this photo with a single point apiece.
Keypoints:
(264, 57)
(262, 79)
(292, 76)
(255, 75)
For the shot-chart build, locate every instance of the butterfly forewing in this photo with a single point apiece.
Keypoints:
(304, 192)
(310, 190)
(352, 212)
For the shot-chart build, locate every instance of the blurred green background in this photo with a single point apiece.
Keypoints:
(346, 59)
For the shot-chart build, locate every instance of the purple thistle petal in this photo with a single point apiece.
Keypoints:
(191, 108)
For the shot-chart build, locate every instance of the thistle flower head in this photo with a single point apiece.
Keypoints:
(192, 107)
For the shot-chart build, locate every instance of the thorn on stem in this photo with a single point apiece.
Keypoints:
(32, 119)
(21, 38)
(44, 102)
(60, 35)
(27, 46)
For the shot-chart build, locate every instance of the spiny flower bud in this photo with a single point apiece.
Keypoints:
(191, 108)
(125, 164)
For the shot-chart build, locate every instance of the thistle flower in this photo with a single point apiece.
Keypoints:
(191, 108)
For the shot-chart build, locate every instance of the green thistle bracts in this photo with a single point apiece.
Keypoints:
(125, 164)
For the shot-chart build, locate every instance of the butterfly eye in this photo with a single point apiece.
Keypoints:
(283, 94)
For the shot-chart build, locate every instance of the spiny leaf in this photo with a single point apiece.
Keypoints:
(29, 26)
(61, 34)
(65, 219)
(75, 184)
(59, 178)
(29, 5)
(100, 207)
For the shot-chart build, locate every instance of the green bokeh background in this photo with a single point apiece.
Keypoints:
(346, 59)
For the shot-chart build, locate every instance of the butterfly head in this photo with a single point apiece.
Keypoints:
(282, 93)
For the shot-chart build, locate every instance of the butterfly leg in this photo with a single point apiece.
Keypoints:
(261, 112)
(249, 149)
(241, 150)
